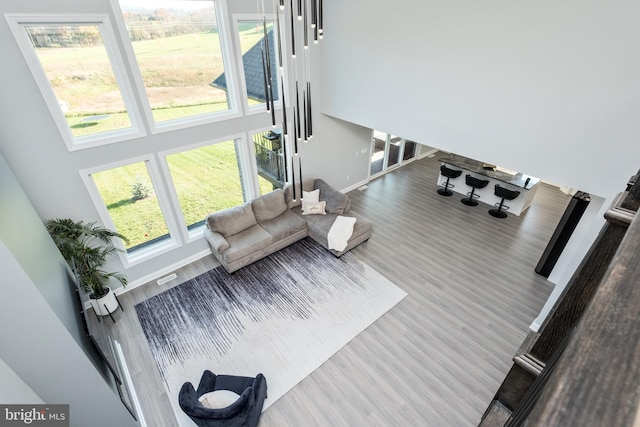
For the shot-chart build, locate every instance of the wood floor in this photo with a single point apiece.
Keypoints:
(435, 359)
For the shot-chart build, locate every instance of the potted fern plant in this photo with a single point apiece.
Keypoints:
(86, 247)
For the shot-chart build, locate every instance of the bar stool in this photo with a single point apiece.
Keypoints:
(474, 183)
(449, 173)
(504, 194)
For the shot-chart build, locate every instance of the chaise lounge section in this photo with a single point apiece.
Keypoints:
(243, 234)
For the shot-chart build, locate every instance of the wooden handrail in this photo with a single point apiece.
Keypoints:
(580, 369)
(583, 285)
(597, 378)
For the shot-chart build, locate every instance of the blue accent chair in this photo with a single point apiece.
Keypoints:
(244, 412)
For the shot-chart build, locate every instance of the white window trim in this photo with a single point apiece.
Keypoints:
(140, 90)
(18, 21)
(242, 81)
(249, 166)
(140, 255)
(196, 233)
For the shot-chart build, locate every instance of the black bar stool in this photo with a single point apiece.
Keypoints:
(474, 183)
(449, 173)
(504, 194)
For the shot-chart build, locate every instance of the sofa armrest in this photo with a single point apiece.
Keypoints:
(216, 240)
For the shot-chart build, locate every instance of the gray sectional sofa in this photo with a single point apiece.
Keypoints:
(244, 234)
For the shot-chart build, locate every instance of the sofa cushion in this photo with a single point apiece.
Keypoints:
(269, 206)
(284, 225)
(247, 242)
(337, 202)
(319, 227)
(307, 185)
(231, 221)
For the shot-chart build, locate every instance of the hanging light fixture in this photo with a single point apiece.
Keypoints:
(305, 17)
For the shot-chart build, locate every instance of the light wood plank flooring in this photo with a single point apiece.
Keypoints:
(437, 358)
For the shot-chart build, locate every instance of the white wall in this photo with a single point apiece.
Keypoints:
(13, 390)
(585, 233)
(41, 337)
(548, 88)
(42, 352)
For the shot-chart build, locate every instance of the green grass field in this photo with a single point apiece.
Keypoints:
(81, 126)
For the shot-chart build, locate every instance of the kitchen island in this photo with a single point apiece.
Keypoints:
(527, 185)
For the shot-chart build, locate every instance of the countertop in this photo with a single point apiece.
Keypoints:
(517, 179)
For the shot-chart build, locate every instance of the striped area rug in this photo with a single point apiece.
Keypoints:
(283, 316)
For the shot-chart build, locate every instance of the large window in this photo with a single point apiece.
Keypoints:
(206, 179)
(252, 47)
(131, 201)
(79, 71)
(175, 51)
(80, 76)
(178, 50)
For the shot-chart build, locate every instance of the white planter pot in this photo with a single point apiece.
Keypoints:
(106, 304)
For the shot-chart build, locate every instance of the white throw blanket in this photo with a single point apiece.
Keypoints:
(340, 232)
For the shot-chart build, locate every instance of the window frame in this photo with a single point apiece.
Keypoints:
(249, 109)
(18, 22)
(226, 50)
(138, 256)
(246, 179)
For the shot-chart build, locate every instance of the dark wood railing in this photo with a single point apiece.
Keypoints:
(583, 367)
(269, 158)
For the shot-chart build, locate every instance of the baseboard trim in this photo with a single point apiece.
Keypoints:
(163, 272)
(354, 186)
(427, 153)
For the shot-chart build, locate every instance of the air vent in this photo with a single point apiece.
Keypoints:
(166, 279)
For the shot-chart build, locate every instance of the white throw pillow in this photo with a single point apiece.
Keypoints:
(316, 208)
(218, 399)
(311, 196)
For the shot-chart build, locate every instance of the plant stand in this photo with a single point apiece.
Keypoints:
(106, 305)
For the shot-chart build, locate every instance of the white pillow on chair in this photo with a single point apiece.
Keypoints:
(218, 399)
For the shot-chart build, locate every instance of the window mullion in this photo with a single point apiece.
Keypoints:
(165, 202)
(132, 69)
